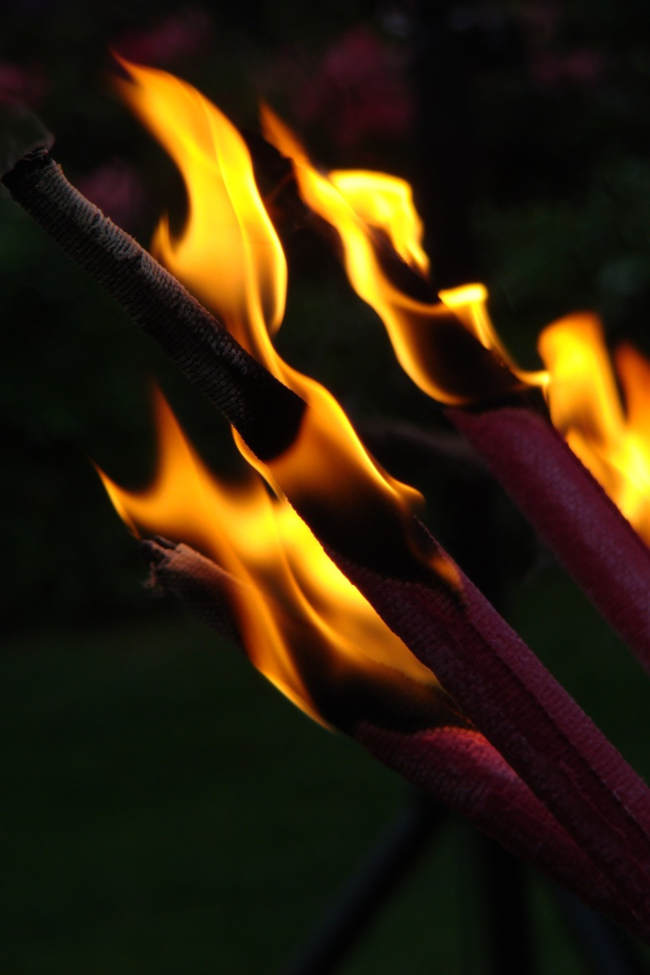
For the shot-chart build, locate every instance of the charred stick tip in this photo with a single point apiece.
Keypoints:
(197, 582)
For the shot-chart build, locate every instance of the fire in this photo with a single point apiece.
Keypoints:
(385, 202)
(449, 349)
(302, 623)
(229, 255)
(579, 383)
(612, 439)
(300, 620)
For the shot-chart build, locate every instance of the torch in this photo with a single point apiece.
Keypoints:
(408, 657)
(452, 352)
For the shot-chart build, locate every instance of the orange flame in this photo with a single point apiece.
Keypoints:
(302, 623)
(449, 349)
(229, 255)
(291, 594)
(612, 440)
(579, 382)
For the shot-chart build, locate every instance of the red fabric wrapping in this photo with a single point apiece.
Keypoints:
(528, 717)
(456, 765)
(496, 680)
(595, 543)
(463, 771)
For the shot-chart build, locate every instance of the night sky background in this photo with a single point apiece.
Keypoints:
(165, 808)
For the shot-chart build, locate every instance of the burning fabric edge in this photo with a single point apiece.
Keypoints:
(488, 398)
(299, 619)
(496, 680)
(452, 763)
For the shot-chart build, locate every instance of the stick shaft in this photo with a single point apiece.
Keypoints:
(265, 412)
(589, 535)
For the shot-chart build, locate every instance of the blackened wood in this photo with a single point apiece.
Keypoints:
(572, 513)
(196, 581)
(264, 411)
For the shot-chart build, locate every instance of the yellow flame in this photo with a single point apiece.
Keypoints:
(296, 612)
(612, 440)
(293, 605)
(385, 202)
(449, 349)
(228, 240)
(229, 255)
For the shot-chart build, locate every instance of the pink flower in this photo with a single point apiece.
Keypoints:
(177, 36)
(358, 90)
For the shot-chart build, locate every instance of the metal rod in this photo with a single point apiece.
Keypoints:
(505, 909)
(370, 888)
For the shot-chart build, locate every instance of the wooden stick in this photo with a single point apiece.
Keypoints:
(454, 763)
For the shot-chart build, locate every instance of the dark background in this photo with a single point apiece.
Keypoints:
(164, 808)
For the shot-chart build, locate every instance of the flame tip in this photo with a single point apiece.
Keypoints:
(302, 622)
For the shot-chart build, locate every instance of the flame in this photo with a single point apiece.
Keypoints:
(229, 255)
(296, 612)
(449, 349)
(611, 439)
(385, 202)
(579, 383)
(293, 606)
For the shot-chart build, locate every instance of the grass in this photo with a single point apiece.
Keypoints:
(166, 810)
